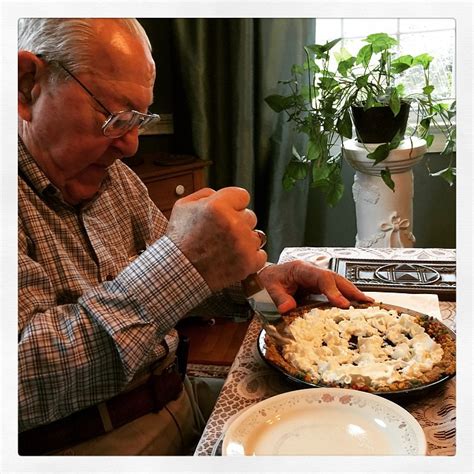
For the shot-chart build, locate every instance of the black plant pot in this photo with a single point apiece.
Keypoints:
(378, 124)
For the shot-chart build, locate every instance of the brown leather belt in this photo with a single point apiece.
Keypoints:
(96, 420)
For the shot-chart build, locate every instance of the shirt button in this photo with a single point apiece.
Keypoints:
(109, 277)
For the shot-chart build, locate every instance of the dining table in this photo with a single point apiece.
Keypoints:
(251, 379)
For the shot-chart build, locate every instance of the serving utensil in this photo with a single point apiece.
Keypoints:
(265, 309)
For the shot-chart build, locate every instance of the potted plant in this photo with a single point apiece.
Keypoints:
(365, 91)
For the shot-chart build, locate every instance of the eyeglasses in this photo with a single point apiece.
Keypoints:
(116, 124)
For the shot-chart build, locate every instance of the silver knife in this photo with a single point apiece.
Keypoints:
(265, 308)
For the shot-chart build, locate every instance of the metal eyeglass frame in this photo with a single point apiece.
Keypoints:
(145, 118)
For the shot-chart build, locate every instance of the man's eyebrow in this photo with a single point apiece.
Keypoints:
(129, 104)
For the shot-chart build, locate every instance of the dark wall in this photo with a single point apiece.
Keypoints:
(168, 91)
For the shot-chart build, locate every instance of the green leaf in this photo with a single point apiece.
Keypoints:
(320, 175)
(401, 90)
(313, 151)
(380, 153)
(304, 94)
(279, 103)
(342, 55)
(335, 188)
(317, 147)
(329, 180)
(395, 141)
(311, 66)
(361, 81)
(452, 110)
(370, 101)
(429, 140)
(399, 68)
(287, 182)
(297, 69)
(394, 102)
(364, 55)
(448, 174)
(328, 122)
(334, 193)
(405, 59)
(380, 41)
(451, 114)
(344, 66)
(320, 50)
(401, 64)
(331, 44)
(449, 148)
(387, 178)
(428, 89)
(452, 132)
(344, 125)
(328, 83)
(423, 59)
(297, 169)
(440, 107)
(425, 122)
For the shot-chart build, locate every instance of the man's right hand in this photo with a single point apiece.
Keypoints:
(214, 229)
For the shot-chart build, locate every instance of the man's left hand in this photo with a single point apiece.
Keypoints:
(283, 280)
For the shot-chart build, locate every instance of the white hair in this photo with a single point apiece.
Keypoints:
(67, 39)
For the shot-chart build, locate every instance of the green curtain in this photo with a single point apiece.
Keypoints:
(227, 67)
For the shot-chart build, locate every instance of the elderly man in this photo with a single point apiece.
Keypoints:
(103, 276)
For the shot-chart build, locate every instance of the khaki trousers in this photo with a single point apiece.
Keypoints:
(175, 430)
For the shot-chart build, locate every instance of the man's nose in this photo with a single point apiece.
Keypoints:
(128, 143)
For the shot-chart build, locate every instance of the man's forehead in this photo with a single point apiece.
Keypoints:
(121, 43)
(118, 51)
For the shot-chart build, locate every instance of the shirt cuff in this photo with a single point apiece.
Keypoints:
(164, 282)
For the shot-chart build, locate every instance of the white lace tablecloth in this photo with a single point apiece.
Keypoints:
(251, 380)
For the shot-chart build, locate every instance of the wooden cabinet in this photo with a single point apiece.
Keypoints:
(169, 182)
(213, 344)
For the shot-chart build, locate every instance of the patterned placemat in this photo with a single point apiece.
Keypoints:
(419, 276)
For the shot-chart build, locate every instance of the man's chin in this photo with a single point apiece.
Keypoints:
(76, 195)
(84, 186)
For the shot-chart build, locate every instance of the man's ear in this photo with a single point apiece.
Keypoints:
(30, 69)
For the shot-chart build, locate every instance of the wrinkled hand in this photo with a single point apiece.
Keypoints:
(214, 229)
(282, 281)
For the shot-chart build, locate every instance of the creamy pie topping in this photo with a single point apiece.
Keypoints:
(346, 345)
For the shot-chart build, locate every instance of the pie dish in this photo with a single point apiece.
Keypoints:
(324, 422)
(377, 348)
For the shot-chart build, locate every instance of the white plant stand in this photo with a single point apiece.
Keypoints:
(384, 217)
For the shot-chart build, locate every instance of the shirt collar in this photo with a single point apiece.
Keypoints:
(40, 182)
(37, 179)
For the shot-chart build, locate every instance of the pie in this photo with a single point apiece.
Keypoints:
(371, 347)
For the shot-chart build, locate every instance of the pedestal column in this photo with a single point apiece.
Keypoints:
(384, 217)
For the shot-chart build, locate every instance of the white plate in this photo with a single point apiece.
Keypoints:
(324, 421)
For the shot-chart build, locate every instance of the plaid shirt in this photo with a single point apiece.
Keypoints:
(100, 290)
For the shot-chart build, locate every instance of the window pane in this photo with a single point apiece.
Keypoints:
(327, 29)
(440, 45)
(434, 43)
(353, 45)
(366, 26)
(424, 24)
